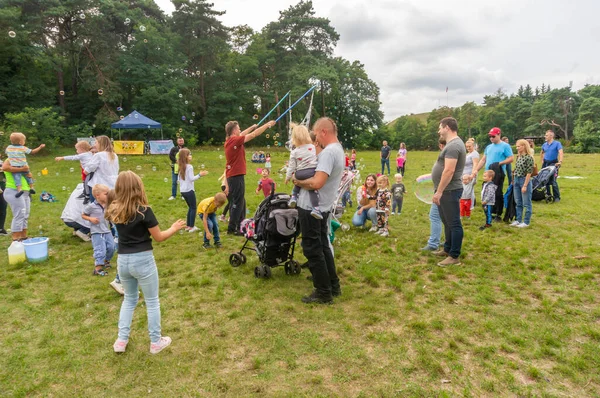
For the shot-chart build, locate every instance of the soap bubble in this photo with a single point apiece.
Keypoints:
(136, 116)
(277, 135)
(39, 174)
(57, 173)
(12, 34)
(345, 227)
(268, 146)
(186, 102)
(236, 71)
(191, 121)
(228, 167)
(82, 16)
(272, 40)
(142, 28)
(127, 21)
(121, 117)
(424, 189)
(138, 167)
(153, 168)
(33, 123)
(125, 160)
(149, 127)
(141, 176)
(93, 126)
(166, 180)
(202, 166)
(255, 117)
(71, 169)
(100, 91)
(220, 156)
(61, 92)
(275, 143)
(241, 108)
(180, 95)
(267, 136)
(119, 109)
(64, 188)
(178, 135)
(193, 113)
(181, 131)
(234, 147)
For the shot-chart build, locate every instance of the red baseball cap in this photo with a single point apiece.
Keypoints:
(494, 132)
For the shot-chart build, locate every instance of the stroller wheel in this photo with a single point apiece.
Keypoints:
(243, 256)
(292, 267)
(549, 199)
(236, 259)
(262, 271)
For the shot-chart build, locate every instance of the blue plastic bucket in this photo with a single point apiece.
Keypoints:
(36, 249)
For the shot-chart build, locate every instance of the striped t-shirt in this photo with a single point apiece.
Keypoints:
(16, 155)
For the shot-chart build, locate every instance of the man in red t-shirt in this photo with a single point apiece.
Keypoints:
(235, 170)
(265, 183)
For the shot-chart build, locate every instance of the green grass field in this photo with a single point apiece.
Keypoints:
(519, 317)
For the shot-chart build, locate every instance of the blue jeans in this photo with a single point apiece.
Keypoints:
(435, 227)
(385, 162)
(522, 200)
(449, 209)
(397, 203)
(213, 226)
(358, 220)
(190, 199)
(18, 176)
(139, 269)
(104, 248)
(487, 210)
(174, 178)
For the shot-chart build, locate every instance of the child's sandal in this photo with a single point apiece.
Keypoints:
(107, 265)
(99, 273)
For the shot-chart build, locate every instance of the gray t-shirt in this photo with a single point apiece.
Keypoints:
(97, 211)
(455, 149)
(385, 151)
(331, 161)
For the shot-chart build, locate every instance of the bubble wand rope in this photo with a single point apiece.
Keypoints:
(294, 104)
(271, 111)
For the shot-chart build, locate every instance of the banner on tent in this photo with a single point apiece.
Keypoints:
(161, 147)
(129, 147)
(90, 140)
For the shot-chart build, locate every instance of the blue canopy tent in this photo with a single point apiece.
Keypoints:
(136, 120)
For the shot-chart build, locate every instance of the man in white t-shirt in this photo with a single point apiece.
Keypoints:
(315, 238)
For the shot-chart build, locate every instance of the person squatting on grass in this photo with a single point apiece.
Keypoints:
(522, 184)
(488, 197)
(383, 205)
(186, 186)
(302, 165)
(137, 225)
(84, 155)
(365, 197)
(17, 153)
(235, 170)
(398, 191)
(435, 222)
(315, 233)
(446, 175)
(103, 242)
(207, 211)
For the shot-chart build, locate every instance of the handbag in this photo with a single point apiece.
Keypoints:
(535, 170)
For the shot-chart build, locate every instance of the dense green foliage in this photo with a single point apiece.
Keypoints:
(573, 116)
(82, 61)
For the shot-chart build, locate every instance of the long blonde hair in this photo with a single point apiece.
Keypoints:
(528, 148)
(183, 161)
(129, 197)
(103, 144)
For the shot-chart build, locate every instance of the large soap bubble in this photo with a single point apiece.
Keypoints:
(424, 189)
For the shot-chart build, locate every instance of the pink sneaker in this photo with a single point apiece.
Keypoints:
(163, 343)
(120, 345)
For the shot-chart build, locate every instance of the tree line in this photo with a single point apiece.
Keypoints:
(574, 116)
(71, 68)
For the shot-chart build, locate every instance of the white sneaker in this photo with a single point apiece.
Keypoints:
(118, 286)
(120, 345)
(84, 237)
(393, 213)
(194, 229)
(172, 198)
(515, 223)
(182, 198)
(385, 233)
(522, 225)
(373, 229)
(163, 343)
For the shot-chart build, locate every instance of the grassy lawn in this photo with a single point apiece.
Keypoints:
(520, 317)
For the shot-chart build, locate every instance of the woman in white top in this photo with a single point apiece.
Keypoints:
(104, 164)
(186, 186)
(471, 159)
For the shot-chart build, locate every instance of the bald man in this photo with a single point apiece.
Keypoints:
(315, 239)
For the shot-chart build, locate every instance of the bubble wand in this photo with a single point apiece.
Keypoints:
(294, 104)
(271, 111)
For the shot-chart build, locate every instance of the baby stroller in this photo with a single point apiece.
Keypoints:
(539, 182)
(272, 231)
(343, 195)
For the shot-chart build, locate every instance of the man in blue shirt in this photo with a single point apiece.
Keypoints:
(552, 154)
(495, 157)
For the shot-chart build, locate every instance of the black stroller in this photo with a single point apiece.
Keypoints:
(273, 231)
(539, 182)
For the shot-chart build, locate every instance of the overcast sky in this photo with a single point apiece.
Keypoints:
(413, 50)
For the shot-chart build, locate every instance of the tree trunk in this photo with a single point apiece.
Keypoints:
(323, 114)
